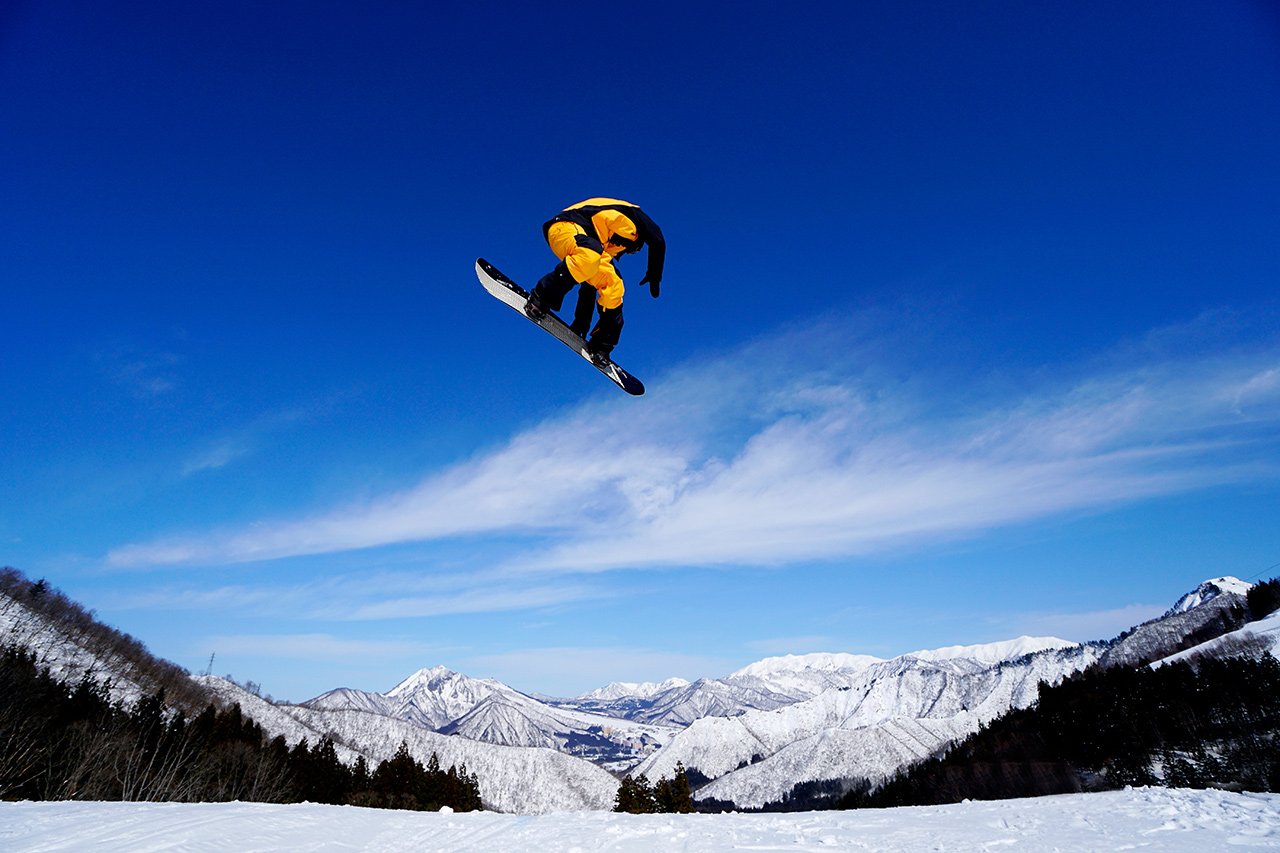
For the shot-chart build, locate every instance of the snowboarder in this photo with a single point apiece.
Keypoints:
(587, 238)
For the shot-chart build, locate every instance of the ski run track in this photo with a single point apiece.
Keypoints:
(1153, 820)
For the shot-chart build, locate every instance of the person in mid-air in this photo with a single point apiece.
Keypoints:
(587, 238)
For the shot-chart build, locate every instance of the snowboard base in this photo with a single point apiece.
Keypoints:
(515, 296)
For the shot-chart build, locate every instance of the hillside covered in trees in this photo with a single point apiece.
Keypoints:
(1211, 720)
(73, 741)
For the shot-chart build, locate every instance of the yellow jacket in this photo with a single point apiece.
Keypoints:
(587, 236)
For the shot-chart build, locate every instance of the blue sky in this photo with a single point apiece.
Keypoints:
(968, 330)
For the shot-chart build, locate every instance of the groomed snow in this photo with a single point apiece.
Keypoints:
(1153, 820)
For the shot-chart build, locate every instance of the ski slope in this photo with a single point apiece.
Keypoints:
(1154, 820)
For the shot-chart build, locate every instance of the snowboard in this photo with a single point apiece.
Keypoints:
(506, 290)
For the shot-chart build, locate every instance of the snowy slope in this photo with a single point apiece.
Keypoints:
(1252, 639)
(901, 710)
(70, 655)
(520, 780)
(877, 751)
(1155, 820)
(512, 779)
(1209, 590)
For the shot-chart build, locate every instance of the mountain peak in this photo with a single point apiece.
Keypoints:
(1208, 591)
(426, 678)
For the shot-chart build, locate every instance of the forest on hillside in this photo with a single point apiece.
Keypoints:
(61, 741)
(1208, 721)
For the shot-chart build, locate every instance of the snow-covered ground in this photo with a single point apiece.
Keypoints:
(1153, 820)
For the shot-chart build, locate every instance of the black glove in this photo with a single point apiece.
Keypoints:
(653, 285)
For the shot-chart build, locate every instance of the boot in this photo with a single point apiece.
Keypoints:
(549, 293)
(533, 309)
(604, 337)
(599, 352)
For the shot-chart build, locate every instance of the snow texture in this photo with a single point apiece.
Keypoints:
(1256, 637)
(1209, 590)
(512, 779)
(890, 713)
(66, 654)
(1168, 635)
(487, 710)
(1153, 820)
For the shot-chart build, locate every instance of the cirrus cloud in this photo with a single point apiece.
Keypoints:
(807, 446)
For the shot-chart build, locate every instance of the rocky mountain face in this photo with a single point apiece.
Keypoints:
(486, 710)
(1181, 628)
(518, 780)
(891, 713)
(430, 698)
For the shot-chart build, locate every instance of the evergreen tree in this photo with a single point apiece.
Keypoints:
(635, 796)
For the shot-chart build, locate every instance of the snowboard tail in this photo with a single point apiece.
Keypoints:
(507, 291)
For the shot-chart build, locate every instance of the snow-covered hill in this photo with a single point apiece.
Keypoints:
(1209, 590)
(628, 690)
(66, 639)
(518, 780)
(755, 733)
(486, 710)
(894, 712)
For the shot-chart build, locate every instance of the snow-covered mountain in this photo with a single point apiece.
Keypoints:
(1208, 591)
(762, 686)
(893, 712)
(627, 690)
(1180, 628)
(754, 734)
(518, 780)
(486, 710)
(430, 698)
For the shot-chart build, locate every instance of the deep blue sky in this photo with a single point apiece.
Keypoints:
(969, 328)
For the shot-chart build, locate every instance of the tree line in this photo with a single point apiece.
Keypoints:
(1209, 720)
(61, 742)
(40, 614)
(637, 796)
(1208, 723)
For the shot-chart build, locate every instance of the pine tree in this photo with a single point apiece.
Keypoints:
(635, 796)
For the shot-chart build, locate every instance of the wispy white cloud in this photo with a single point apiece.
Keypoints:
(146, 374)
(225, 449)
(485, 598)
(806, 446)
(383, 595)
(217, 456)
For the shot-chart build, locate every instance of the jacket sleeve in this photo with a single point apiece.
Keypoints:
(657, 246)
